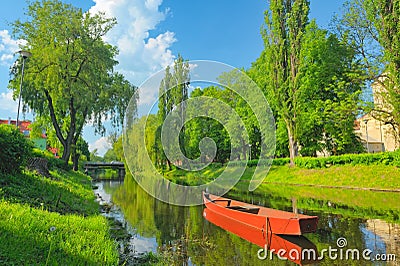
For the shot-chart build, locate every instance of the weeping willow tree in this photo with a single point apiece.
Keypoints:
(69, 79)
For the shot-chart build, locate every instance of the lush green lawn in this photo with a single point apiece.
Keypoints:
(52, 222)
(357, 176)
(351, 176)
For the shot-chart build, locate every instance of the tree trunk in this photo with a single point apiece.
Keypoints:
(244, 149)
(66, 153)
(168, 165)
(293, 147)
(75, 158)
(64, 142)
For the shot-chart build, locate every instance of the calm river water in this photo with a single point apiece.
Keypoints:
(360, 220)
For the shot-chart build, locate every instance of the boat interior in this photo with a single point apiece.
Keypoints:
(248, 209)
(242, 208)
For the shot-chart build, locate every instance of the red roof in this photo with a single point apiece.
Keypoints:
(24, 126)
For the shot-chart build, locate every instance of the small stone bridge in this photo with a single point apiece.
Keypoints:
(93, 168)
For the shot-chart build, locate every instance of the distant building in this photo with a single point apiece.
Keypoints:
(377, 135)
(373, 134)
(24, 127)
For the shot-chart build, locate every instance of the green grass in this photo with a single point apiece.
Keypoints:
(359, 176)
(196, 177)
(67, 192)
(31, 206)
(347, 202)
(27, 238)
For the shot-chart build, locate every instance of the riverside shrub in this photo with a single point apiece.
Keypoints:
(15, 149)
(53, 162)
(385, 158)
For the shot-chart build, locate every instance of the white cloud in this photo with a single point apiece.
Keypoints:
(140, 54)
(101, 144)
(8, 47)
(7, 103)
(156, 49)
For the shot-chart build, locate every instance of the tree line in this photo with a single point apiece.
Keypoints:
(313, 78)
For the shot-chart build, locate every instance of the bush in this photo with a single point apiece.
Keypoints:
(15, 149)
(310, 162)
(396, 158)
(253, 163)
(386, 158)
(53, 162)
(280, 161)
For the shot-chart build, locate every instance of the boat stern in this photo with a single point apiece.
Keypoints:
(308, 225)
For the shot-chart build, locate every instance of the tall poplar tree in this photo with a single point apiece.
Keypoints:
(173, 91)
(279, 63)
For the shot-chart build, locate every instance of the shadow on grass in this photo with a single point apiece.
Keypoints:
(64, 195)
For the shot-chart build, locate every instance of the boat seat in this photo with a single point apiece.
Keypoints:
(227, 200)
(248, 209)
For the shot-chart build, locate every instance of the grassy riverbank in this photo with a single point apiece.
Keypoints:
(383, 177)
(53, 221)
(352, 191)
(375, 177)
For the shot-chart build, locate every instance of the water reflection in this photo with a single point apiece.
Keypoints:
(292, 248)
(138, 244)
(187, 238)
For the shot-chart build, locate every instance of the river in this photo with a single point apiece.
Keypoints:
(362, 220)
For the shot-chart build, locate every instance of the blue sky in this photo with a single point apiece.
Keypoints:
(151, 33)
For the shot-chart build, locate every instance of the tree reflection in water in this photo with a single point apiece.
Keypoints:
(186, 238)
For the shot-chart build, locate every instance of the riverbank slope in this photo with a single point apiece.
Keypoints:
(366, 177)
(52, 221)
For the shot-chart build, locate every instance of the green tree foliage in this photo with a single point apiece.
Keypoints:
(82, 147)
(172, 92)
(371, 28)
(318, 107)
(116, 153)
(137, 150)
(15, 149)
(354, 27)
(94, 156)
(69, 79)
(235, 141)
(153, 143)
(385, 16)
(233, 82)
(110, 156)
(279, 63)
(202, 127)
(331, 81)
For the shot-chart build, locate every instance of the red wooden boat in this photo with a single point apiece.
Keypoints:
(297, 249)
(262, 218)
